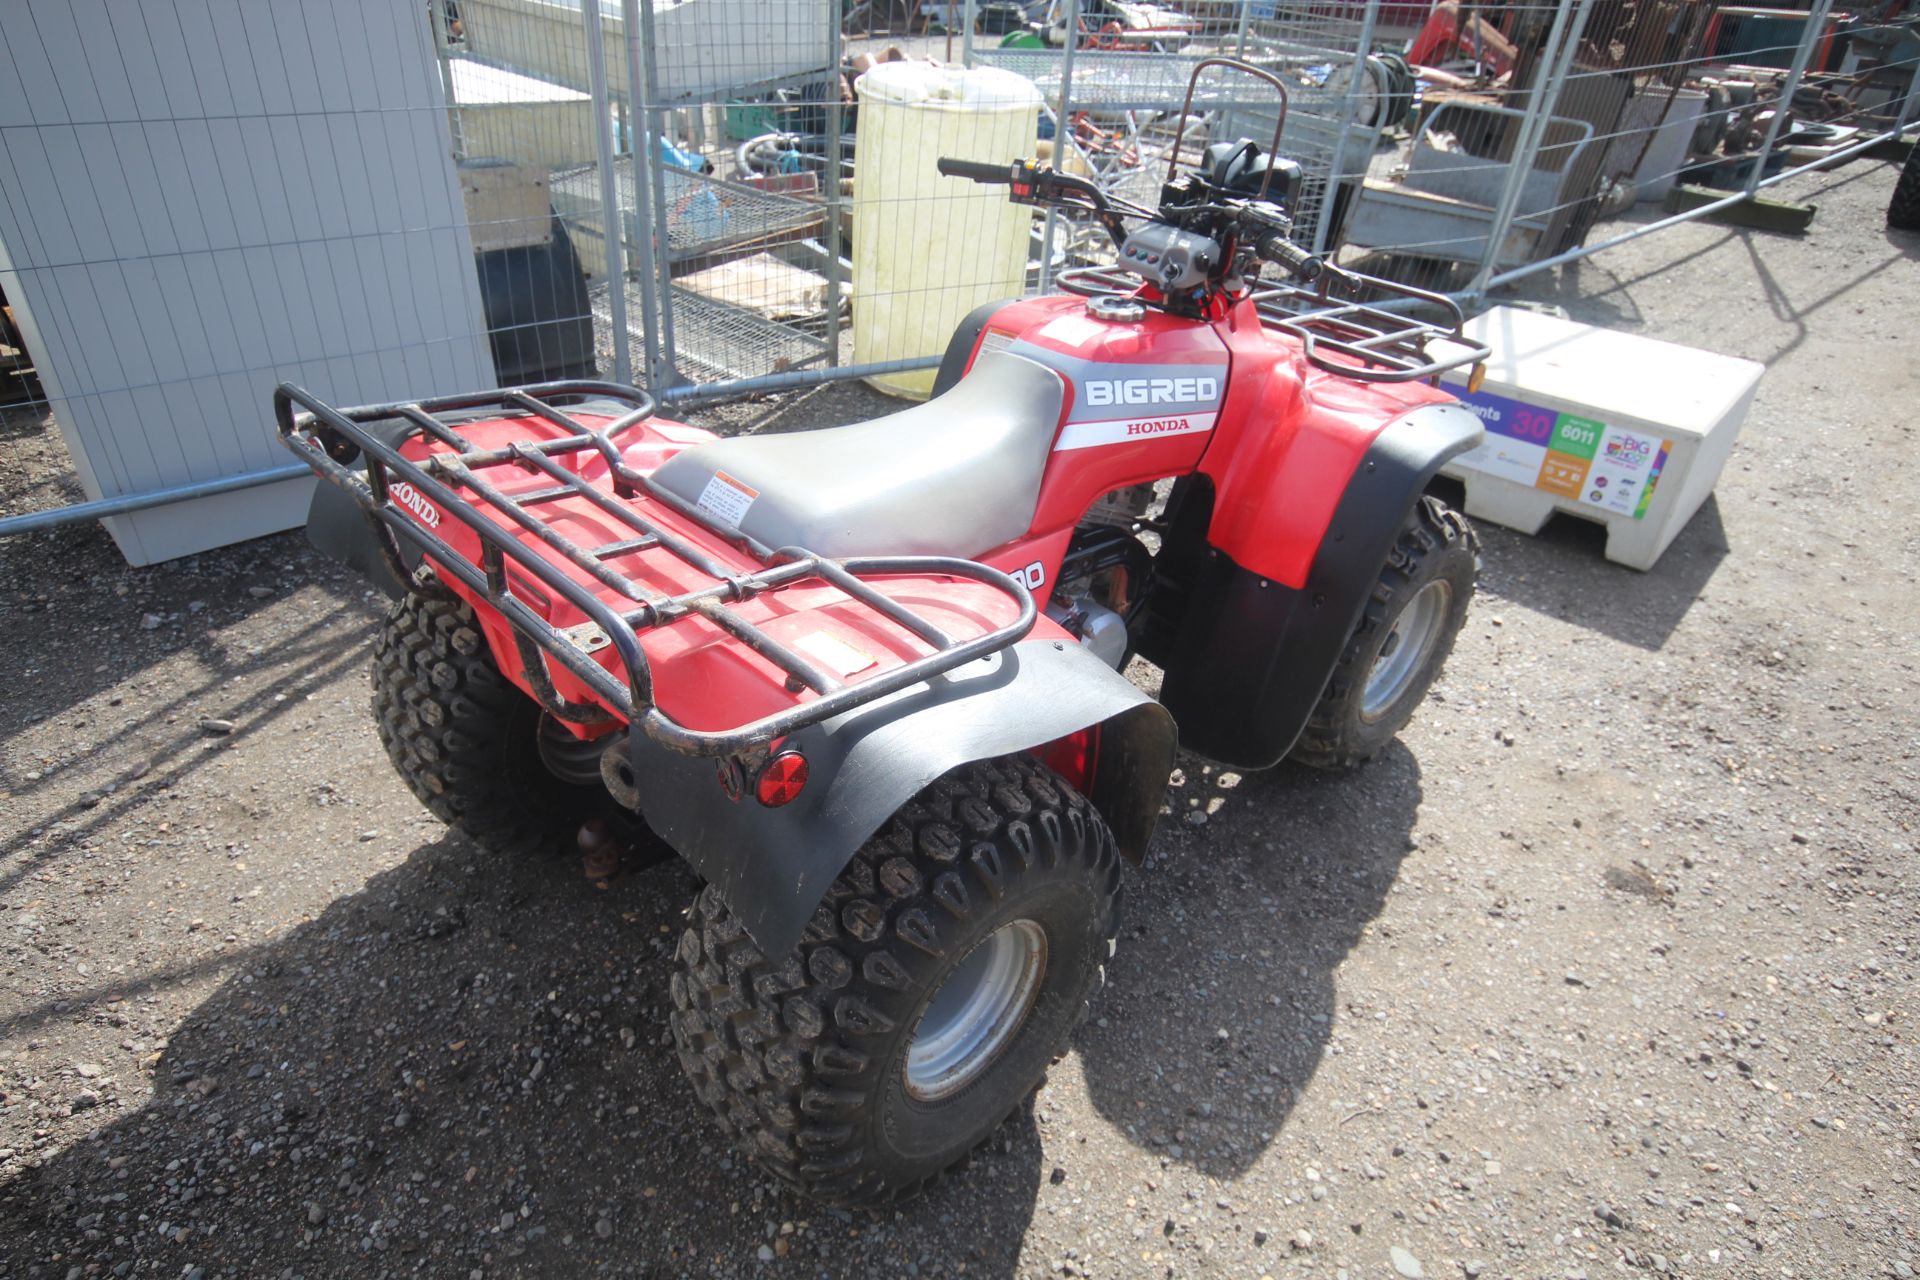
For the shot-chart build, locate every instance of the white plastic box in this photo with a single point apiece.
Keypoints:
(1625, 431)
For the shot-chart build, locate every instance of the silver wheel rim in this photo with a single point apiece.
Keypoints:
(977, 1010)
(1406, 649)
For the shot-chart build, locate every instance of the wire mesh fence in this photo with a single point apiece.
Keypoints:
(1544, 132)
(1443, 145)
(719, 196)
(787, 216)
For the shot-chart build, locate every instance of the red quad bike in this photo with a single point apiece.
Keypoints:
(866, 679)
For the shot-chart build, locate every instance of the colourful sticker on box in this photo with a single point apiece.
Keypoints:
(1579, 459)
(1562, 474)
(1579, 437)
(1511, 418)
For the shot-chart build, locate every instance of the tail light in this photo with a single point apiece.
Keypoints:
(781, 779)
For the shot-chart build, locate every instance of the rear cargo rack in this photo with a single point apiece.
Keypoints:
(330, 440)
(1348, 324)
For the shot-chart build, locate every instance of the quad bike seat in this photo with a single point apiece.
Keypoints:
(955, 476)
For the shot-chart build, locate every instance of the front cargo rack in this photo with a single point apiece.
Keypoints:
(1347, 323)
(1350, 324)
(330, 440)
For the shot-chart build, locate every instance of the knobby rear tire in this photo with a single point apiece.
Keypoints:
(803, 1060)
(465, 738)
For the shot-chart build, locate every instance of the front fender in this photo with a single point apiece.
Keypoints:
(773, 866)
(1251, 655)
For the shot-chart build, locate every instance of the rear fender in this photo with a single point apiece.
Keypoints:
(341, 528)
(773, 866)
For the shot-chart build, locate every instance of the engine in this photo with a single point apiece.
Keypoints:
(1105, 575)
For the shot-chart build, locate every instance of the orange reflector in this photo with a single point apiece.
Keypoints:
(782, 780)
(1476, 377)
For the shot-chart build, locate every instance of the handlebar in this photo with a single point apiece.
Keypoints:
(1035, 183)
(1039, 184)
(1043, 185)
(1282, 252)
(974, 171)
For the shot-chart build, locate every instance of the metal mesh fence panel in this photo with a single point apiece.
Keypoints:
(721, 189)
(528, 105)
(1545, 131)
(787, 221)
(1113, 106)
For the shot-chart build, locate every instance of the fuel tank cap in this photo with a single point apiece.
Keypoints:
(1115, 309)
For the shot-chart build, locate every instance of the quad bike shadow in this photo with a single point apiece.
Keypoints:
(463, 1065)
(1222, 1006)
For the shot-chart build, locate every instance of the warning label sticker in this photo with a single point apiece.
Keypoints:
(1579, 459)
(726, 499)
(833, 653)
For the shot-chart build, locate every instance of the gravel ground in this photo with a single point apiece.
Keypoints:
(1608, 966)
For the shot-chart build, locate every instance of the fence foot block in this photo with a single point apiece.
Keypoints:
(1759, 212)
(1894, 149)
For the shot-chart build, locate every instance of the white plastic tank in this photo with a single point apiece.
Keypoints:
(928, 249)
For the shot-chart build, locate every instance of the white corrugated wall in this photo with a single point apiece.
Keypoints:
(200, 198)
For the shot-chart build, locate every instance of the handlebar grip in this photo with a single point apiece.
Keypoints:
(974, 171)
(1283, 252)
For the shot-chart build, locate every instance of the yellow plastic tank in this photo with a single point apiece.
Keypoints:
(928, 249)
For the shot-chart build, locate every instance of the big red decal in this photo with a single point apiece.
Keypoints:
(1149, 391)
(1116, 403)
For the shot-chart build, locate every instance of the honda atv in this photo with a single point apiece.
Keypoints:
(867, 679)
